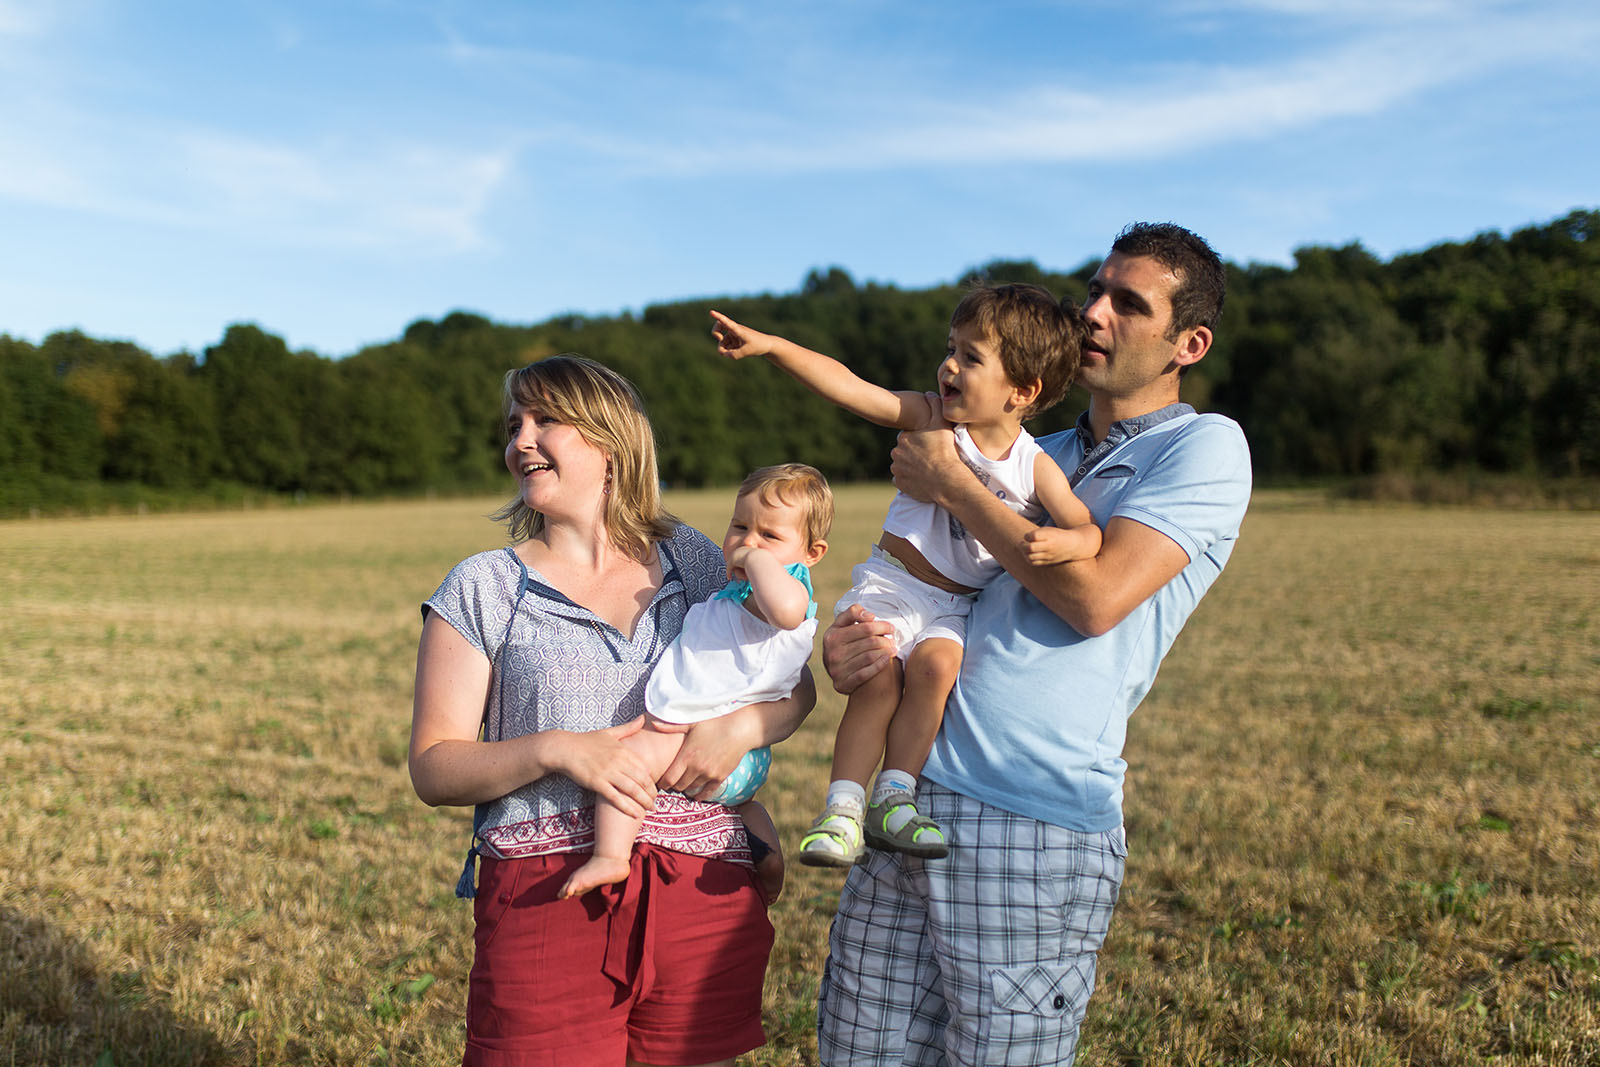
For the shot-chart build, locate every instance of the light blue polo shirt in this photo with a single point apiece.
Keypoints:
(1039, 714)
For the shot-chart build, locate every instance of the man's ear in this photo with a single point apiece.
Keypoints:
(815, 553)
(1193, 346)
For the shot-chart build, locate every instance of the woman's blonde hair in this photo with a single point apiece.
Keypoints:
(605, 409)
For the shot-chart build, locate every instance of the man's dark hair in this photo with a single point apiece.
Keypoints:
(1202, 283)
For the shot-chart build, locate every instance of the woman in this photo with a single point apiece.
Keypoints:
(547, 646)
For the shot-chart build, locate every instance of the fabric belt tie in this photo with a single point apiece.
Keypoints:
(631, 926)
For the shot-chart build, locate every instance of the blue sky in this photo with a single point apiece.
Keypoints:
(335, 170)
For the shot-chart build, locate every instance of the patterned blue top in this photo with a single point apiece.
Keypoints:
(558, 666)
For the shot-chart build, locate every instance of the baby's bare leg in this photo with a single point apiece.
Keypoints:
(769, 872)
(614, 832)
(931, 672)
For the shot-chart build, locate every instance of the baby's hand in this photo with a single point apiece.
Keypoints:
(1046, 545)
(736, 341)
(737, 559)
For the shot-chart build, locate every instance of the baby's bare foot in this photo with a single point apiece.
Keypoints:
(599, 871)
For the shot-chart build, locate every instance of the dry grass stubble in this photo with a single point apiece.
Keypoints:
(1362, 806)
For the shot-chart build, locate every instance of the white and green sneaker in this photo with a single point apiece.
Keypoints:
(834, 840)
(894, 824)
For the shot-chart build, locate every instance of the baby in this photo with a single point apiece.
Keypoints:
(1012, 353)
(746, 644)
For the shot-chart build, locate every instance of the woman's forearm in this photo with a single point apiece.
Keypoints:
(457, 772)
(454, 771)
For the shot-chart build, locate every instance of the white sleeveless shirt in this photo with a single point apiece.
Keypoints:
(726, 657)
(942, 540)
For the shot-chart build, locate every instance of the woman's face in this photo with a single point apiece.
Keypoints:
(559, 472)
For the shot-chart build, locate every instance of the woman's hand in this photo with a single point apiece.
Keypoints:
(856, 647)
(710, 751)
(598, 760)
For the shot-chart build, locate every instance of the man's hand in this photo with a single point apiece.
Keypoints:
(924, 461)
(736, 341)
(856, 647)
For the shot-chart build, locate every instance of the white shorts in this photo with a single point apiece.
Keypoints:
(915, 609)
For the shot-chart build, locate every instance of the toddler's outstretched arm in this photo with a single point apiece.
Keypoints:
(827, 377)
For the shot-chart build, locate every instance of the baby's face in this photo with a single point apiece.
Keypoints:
(775, 525)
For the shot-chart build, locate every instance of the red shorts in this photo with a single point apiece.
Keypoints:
(665, 968)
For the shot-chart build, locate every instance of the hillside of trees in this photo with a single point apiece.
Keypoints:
(1479, 356)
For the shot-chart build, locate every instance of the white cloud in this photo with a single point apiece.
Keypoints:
(377, 193)
(1143, 114)
(380, 194)
(1341, 10)
(21, 20)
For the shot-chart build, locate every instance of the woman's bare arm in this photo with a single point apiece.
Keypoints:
(449, 765)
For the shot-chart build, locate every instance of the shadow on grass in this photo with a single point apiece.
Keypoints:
(56, 1006)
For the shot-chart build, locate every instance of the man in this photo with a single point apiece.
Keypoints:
(988, 956)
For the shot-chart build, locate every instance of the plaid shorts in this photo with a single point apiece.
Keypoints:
(986, 957)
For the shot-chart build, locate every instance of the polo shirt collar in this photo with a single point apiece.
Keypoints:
(1120, 431)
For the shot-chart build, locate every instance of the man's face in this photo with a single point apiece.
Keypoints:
(1129, 310)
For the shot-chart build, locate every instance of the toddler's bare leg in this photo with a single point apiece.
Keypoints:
(931, 672)
(858, 745)
(614, 832)
(834, 839)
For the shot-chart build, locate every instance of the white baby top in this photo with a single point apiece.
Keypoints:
(942, 540)
(726, 657)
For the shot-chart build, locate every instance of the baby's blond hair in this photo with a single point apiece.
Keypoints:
(795, 483)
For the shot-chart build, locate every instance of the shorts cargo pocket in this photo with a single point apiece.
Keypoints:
(1037, 1009)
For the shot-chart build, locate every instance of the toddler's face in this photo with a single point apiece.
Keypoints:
(775, 525)
(973, 386)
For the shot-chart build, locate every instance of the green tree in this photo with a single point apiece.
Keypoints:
(168, 434)
(65, 431)
(259, 390)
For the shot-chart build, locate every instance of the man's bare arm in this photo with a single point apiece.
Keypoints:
(1091, 595)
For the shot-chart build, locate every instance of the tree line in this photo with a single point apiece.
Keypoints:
(1482, 355)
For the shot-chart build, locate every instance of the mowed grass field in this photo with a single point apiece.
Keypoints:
(1363, 804)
